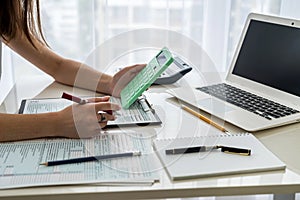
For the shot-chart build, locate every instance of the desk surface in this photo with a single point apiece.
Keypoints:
(283, 141)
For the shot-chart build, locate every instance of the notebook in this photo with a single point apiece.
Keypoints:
(215, 162)
(261, 87)
(140, 113)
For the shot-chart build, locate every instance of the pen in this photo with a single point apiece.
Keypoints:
(74, 98)
(91, 158)
(225, 149)
(80, 101)
(207, 120)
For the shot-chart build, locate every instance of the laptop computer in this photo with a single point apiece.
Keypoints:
(262, 87)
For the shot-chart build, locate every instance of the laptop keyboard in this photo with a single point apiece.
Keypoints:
(248, 101)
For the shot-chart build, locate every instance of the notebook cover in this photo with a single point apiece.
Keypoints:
(215, 162)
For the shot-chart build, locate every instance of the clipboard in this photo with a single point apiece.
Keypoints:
(140, 113)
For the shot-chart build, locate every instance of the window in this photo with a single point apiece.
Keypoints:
(74, 28)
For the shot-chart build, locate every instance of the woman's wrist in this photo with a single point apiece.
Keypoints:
(105, 84)
(52, 124)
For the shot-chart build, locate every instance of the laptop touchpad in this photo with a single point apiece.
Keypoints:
(214, 106)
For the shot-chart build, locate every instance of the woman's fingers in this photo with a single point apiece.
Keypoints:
(105, 116)
(123, 77)
(105, 111)
(85, 120)
(106, 106)
(98, 99)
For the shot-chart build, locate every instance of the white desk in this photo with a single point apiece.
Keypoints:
(284, 142)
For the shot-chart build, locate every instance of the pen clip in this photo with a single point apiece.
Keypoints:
(235, 150)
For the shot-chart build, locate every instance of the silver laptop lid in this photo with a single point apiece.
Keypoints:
(267, 57)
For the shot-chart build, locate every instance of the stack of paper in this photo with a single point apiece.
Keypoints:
(20, 161)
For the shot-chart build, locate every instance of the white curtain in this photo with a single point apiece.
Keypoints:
(74, 28)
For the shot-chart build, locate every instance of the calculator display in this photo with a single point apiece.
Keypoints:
(161, 58)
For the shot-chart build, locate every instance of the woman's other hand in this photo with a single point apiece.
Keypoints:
(123, 77)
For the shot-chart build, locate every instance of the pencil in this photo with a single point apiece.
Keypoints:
(91, 158)
(202, 117)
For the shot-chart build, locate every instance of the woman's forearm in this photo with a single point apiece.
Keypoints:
(75, 121)
(63, 70)
(21, 127)
(77, 74)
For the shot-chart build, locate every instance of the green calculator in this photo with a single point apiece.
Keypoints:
(146, 77)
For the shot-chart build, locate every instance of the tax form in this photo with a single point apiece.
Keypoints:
(140, 113)
(20, 161)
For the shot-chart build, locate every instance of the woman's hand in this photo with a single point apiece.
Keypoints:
(83, 121)
(123, 77)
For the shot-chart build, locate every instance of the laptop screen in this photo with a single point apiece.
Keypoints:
(270, 55)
